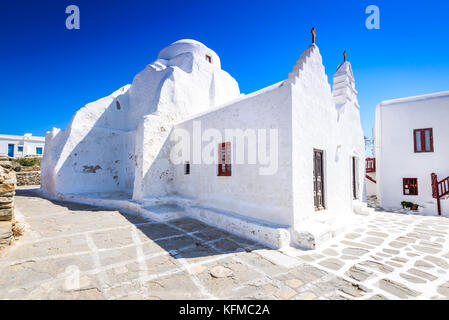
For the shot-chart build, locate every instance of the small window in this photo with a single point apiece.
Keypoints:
(20, 149)
(38, 150)
(423, 140)
(224, 159)
(187, 168)
(208, 58)
(410, 186)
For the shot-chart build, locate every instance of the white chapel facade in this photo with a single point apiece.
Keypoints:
(301, 197)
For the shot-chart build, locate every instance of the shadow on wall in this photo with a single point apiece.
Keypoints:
(182, 238)
(104, 160)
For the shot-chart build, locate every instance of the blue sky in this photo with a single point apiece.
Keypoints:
(49, 72)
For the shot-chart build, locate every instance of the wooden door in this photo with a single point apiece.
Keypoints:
(354, 178)
(318, 180)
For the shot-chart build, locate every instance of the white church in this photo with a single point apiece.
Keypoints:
(307, 181)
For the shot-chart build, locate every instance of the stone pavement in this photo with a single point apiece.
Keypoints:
(74, 251)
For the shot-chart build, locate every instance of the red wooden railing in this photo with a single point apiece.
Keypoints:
(370, 164)
(370, 179)
(439, 189)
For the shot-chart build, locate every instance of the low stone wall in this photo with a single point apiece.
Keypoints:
(27, 175)
(7, 192)
(28, 178)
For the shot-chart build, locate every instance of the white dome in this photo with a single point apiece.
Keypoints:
(198, 49)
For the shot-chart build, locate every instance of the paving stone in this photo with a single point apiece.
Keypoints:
(221, 272)
(397, 289)
(390, 251)
(426, 249)
(306, 296)
(400, 259)
(352, 289)
(377, 266)
(394, 264)
(444, 289)
(332, 263)
(397, 244)
(331, 252)
(423, 264)
(422, 274)
(189, 224)
(418, 235)
(411, 254)
(437, 261)
(308, 273)
(358, 273)
(279, 258)
(285, 293)
(406, 240)
(431, 244)
(373, 240)
(294, 283)
(357, 252)
(345, 257)
(412, 278)
(352, 236)
(377, 234)
(356, 244)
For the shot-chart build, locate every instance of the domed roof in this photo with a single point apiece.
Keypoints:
(192, 46)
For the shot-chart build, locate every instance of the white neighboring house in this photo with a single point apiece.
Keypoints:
(308, 191)
(21, 146)
(411, 139)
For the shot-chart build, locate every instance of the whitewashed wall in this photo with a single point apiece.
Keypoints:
(371, 187)
(394, 147)
(266, 198)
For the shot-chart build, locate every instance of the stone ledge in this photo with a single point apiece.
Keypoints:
(6, 214)
(6, 235)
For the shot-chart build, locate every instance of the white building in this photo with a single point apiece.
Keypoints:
(411, 139)
(123, 146)
(21, 146)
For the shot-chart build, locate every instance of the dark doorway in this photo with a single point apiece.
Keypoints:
(318, 179)
(354, 177)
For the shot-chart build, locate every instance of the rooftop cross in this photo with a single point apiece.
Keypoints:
(344, 56)
(313, 34)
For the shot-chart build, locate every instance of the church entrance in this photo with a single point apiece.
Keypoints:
(318, 178)
(354, 179)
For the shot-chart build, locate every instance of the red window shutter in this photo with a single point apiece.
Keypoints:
(224, 159)
(410, 186)
(420, 144)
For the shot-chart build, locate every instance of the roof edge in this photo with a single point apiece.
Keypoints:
(415, 98)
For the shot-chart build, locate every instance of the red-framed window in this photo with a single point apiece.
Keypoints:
(423, 140)
(410, 186)
(208, 58)
(224, 159)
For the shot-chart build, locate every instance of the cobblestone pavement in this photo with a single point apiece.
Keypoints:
(74, 251)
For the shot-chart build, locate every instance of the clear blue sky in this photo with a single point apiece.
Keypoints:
(49, 72)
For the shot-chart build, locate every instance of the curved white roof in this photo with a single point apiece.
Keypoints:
(192, 46)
